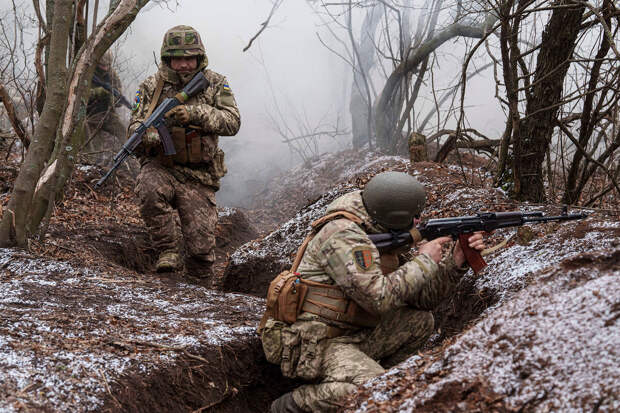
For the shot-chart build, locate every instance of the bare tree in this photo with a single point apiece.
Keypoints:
(57, 134)
(561, 93)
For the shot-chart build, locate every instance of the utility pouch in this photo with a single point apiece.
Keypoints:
(271, 337)
(285, 298)
(193, 141)
(313, 335)
(291, 298)
(178, 138)
(219, 167)
(290, 351)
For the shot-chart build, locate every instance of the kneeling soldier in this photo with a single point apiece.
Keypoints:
(344, 308)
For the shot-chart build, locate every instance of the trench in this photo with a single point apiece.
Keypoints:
(234, 377)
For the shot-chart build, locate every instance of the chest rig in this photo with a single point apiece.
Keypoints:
(289, 295)
(188, 143)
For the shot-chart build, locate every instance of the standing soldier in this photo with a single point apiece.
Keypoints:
(360, 308)
(186, 182)
(105, 132)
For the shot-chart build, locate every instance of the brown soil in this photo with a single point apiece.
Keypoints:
(102, 231)
(228, 380)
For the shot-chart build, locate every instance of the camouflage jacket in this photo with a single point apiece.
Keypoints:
(213, 112)
(101, 101)
(341, 253)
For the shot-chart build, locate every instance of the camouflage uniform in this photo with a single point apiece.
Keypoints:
(105, 132)
(165, 185)
(341, 253)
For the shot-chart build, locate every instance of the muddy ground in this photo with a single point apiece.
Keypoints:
(90, 326)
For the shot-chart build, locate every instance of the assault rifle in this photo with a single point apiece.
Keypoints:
(117, 95)
(461, 228)
(156, 120)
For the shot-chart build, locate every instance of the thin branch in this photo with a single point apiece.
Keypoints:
(264, 24)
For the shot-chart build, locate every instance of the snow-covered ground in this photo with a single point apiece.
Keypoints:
(64, 331)
(550, 344)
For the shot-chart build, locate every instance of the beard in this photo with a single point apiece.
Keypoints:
(186, 76)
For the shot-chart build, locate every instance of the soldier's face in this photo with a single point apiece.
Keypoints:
(184, 64)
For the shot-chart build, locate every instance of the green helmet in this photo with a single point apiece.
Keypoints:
(393, 199)
(181, 41)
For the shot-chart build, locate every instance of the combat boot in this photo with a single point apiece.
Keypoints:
(168, 261)
(285, 404)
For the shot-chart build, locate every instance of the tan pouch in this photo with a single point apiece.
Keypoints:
(285, 298)
(291, 299)
(178, 138)
(219, 167)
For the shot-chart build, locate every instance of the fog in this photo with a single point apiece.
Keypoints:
(286, 66)
(286, 75)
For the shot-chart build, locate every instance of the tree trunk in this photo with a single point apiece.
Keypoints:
(13, 225)
(359, 106)
(532, 139)
(70, 132)
(383, 124)
(572, 193)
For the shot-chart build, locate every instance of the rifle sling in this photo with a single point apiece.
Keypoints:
(316, 226)
(156, 95)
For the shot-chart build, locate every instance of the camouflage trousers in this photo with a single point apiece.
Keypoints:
(162, 196)
(349, 361)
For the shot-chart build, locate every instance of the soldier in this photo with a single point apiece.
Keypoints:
(185, 182)
(360, 308)
(105, 132)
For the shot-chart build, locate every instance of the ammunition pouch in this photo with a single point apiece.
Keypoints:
(193, 149)
(187, 145)
(298, 348)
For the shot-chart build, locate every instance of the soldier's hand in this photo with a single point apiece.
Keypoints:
(476, 241)
(433, 248)
(99, 93)
(178, 115)
(151, 138)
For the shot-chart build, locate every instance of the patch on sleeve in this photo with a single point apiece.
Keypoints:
(226, 88)
(136, 102)
(363, 258)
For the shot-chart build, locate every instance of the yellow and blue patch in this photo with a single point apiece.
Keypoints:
(137, 100)
(226, 88)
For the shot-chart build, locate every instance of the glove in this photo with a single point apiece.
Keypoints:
(178, 116)
(151, 138)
